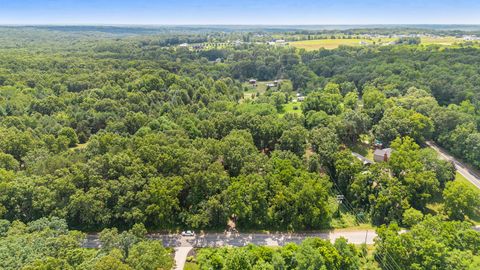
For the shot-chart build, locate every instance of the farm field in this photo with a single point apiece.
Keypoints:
(330, 44)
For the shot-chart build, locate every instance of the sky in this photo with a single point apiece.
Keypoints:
(238, 12)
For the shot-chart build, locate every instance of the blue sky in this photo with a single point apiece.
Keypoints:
(240, 12)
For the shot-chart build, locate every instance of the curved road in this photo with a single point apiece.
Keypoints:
(462, 169)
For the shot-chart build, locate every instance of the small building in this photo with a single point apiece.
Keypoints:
(270, 85)
(198, 47)
(252, 81)
(382, 155)
(301, 98)
(183, 45)
(238, 42)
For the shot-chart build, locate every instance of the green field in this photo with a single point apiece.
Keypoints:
(446, 41)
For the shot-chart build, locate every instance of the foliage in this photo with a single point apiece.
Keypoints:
(48, 244)
(452, 246)
(312, 253)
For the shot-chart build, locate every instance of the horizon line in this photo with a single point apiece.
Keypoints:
(143, 24)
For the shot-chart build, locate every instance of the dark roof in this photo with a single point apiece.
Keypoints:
(362, 158)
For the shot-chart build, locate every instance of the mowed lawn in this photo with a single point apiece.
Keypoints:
(330, 44)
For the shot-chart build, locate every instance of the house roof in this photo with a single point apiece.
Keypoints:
(363, 159)
(382, 152)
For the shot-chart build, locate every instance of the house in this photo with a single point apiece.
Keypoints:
(382, 155)
(363, 159)
(198, 47)
(252, 81)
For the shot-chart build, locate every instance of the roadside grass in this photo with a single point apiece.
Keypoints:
(436, 207)
(348, 222)
(330, 44)
(191, 266)
(476, 217)
(461, 178)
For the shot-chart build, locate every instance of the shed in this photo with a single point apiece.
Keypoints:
(382, 155)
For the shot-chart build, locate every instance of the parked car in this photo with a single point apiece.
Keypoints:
(188, 233)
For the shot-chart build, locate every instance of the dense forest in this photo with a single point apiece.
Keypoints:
(102, 130)
(48, 244)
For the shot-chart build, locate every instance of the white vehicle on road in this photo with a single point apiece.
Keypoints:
(188, 233)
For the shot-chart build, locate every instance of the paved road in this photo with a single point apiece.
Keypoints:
(181, 254)
(462, 169)
(242, 239)
(183, 245)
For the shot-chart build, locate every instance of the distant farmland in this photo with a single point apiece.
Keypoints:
(330, 44)
(311, 45)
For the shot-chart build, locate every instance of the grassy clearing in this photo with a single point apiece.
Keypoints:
(80, 146)
(252, 91)
(330, 44)
(363, 149)
(291, 107)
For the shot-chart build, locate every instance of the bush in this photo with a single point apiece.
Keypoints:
(412, 217)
